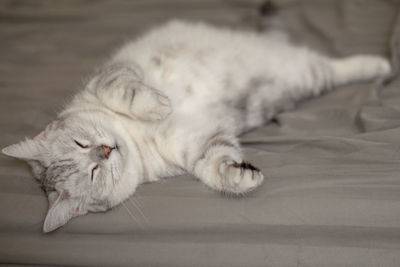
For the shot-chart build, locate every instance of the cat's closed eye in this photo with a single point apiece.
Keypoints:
(93, 171)
(80, 144)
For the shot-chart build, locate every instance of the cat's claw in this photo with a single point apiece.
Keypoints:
(242, 177)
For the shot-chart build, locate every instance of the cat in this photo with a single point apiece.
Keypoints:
(171, 102)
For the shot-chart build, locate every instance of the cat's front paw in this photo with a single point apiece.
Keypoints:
(241, 177)
(151, 105)
(163, 108)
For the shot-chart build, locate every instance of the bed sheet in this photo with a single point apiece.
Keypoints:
(331, 196)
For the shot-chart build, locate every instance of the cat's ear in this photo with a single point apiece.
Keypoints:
(62, 209)
(30, 149)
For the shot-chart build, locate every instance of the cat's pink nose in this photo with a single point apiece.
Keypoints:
(107, 150)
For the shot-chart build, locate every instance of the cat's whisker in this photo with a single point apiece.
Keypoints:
(132, 200)
(137, 201)
(129, 211)
(131, 215)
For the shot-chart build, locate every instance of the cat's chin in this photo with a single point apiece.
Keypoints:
(131, 172)
(124, 189)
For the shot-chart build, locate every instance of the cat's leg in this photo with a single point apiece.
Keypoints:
(120, 87)
(219, 165)
(309, 73)
(314, 73)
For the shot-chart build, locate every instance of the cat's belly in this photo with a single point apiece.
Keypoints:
(213, 81)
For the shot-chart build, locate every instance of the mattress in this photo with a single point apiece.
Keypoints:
(331, 196)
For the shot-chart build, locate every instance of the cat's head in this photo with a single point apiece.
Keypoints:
(81, 164)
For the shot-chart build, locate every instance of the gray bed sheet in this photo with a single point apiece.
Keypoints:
(331, 196)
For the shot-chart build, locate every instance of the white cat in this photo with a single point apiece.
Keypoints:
(172, 102)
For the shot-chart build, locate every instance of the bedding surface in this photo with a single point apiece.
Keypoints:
(331, 196)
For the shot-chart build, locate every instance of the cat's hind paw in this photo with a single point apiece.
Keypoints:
(373, 66)
(241, 177)
(360, 68)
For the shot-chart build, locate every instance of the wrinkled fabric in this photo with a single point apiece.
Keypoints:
(331, 196)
